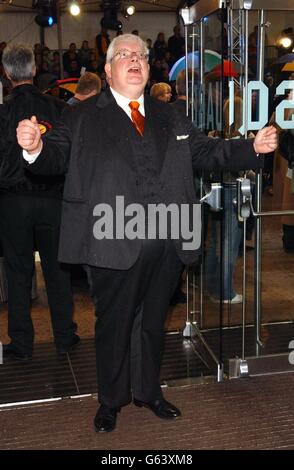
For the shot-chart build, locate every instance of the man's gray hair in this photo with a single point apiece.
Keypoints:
(19, 62)
(114, 45)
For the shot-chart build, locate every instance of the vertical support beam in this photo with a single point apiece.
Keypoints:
(59, 36)
(245, 85)
(201, 62)
(201, 124)
(42, 36)
(193, 74)
(258, 220)
(186, 65)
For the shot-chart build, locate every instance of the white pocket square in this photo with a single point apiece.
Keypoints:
(182, 137)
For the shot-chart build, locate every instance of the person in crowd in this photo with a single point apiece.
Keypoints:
(124, 143)
(160, 47)
(74, 70)
(30, 210)
(84, 54)
(96, 66)
(181, 101)
(156, 72)
(102, 43)
(37, 48)
(104, 84)
(161, 92)
(6, 84)
(220, 270)
(69, 56)
(88, 85)
(55, 70)
(55, 57)
(283, 197)
(167, 62)
(176, 44)
(45, 77)
(150, 50)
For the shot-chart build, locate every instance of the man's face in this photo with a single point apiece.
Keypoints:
(128, 76)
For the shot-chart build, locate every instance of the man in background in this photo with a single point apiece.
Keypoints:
(30, 211)
(88, 85)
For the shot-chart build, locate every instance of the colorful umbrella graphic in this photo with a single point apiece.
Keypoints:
(289, 67)
(225, 69)
(211, 59)
(66, 88)
(284, 59)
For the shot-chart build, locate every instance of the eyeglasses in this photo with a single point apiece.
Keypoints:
(126, 54)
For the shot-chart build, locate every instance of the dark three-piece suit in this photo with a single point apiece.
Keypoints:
(103, 156)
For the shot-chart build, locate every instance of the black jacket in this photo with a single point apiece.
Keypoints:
(90, 145)
(23, 102)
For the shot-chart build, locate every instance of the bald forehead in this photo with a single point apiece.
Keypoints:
(130, 45)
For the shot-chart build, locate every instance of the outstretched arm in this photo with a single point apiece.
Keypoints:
(233, 155)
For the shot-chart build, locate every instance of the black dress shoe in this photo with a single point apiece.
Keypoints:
(161, 408)
(105, 419)
(66, 349)
(9, 350)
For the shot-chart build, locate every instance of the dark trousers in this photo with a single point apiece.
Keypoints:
(29, 222)
(131, 308)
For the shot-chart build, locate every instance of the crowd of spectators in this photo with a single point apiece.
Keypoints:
(162, 55)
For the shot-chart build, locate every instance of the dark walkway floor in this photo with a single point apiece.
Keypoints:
(48, 376)
(255, 413)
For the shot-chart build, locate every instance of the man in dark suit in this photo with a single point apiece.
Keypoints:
(30, 210)
(181, 101)
(125, 144)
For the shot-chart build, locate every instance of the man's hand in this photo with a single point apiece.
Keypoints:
(29, 135)
(266, 140)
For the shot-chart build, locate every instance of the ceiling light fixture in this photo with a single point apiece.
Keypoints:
(130, 10)
(74, 9)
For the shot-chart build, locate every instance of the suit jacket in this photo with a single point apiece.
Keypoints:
(91, 146)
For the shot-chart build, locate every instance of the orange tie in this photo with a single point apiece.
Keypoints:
(137, 118)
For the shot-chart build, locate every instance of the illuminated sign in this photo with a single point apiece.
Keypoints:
(208, 106)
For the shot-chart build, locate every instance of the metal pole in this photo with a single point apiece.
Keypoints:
(201, 122)
(245, 95)
(245, 39)
(59, 37)
(186, 67)
(230, 34)
(244, 290)
(193, 75)
(42, 36)
(201, 60)
(258, 223)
